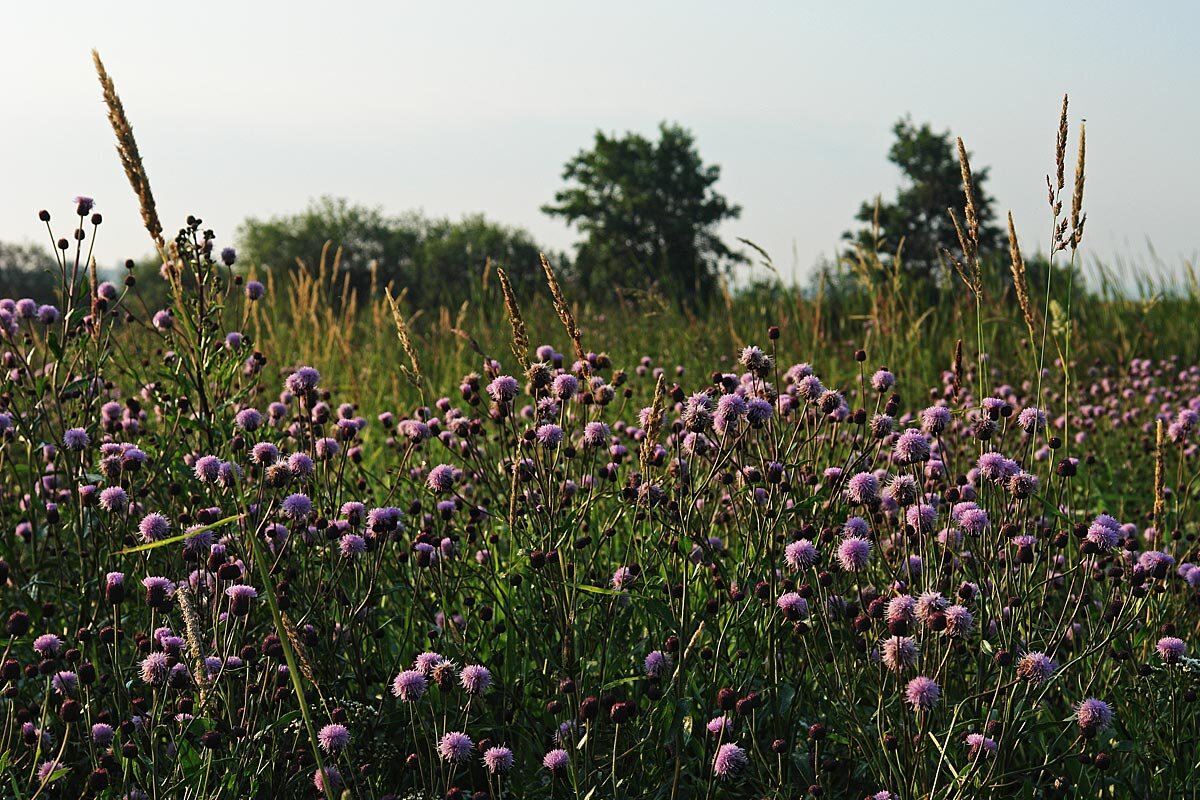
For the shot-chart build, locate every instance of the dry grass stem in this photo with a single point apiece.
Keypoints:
(131, 158)
(1078, 218)
(520, 337)
(653, 423)
(402, 333)
(563, 309)
(1019, 278)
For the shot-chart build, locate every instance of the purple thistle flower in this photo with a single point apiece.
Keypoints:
(755, 360)
(255, 290)
(922, 693)
(84, 205)
(556, 760)
(475, 678)
(793, 606)
(228, 256)
(102, 734)
(155, 669)
(75, 439)
(719, 725)
(302, 381)
(863, 488)
(729, 761)
(163, 320)
(935, 420)
(351, 545)
(549, 435)
(153, 526)
(978, 744)
(657, 664)
(1035, 667)
(264, 453)
(565, 386)
(64, 682)
(856, 526)
(1031, 420)
(898, 653)
(409, 685)
(207, 468)
(758, 411)
(47, 645)
(854, 553)
(301, 465)
(921, 517)
(455, 747)
(498, 759)
(1104, 532)
(1171, 649)
(114, 499)
(621, 577)
(1093, 716)
(959, 621)
(503, 389)
(326, 448)
(441, 479)
(297, 507)
(248, 419)
(333, 737)
(730, 409)
(240, 596)
(596, 434)
(929, 604)
(996, 468)
(158, 591)
(911, 448)
(45, 772)
(902, 608)
(327, 781)
(903, 490)
(801, 554)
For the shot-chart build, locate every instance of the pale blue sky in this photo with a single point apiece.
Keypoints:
(252, 108)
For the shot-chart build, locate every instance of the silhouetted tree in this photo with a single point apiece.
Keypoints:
(649, 213)
(918, 216)
(438, 260)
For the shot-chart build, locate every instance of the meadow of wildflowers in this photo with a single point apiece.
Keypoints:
(562, 576)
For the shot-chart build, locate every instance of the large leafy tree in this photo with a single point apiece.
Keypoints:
(27, 270)
(439, 261)
(649, 213)
(917, 221)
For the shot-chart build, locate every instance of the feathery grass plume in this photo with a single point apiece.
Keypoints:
(192, 636)
(402, 333)
(653, 423)
(466, 336)
(969, 191)
(520, 338)
(1018, 273)
(729, 314)
(457, 329)
(131, 159)
(964, 244)
(293, 636)
(1060, 152)
(958, 368)
(1160, 470)
(563, 309)
(1077, 217)
(95, 292)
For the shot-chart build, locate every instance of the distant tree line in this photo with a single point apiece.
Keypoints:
(437, 260)
(648, 211)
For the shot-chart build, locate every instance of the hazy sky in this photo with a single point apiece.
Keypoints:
(253, 108)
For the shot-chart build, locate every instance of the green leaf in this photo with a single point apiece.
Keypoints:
(174, 539)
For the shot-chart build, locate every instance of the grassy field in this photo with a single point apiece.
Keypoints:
(862, 541)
